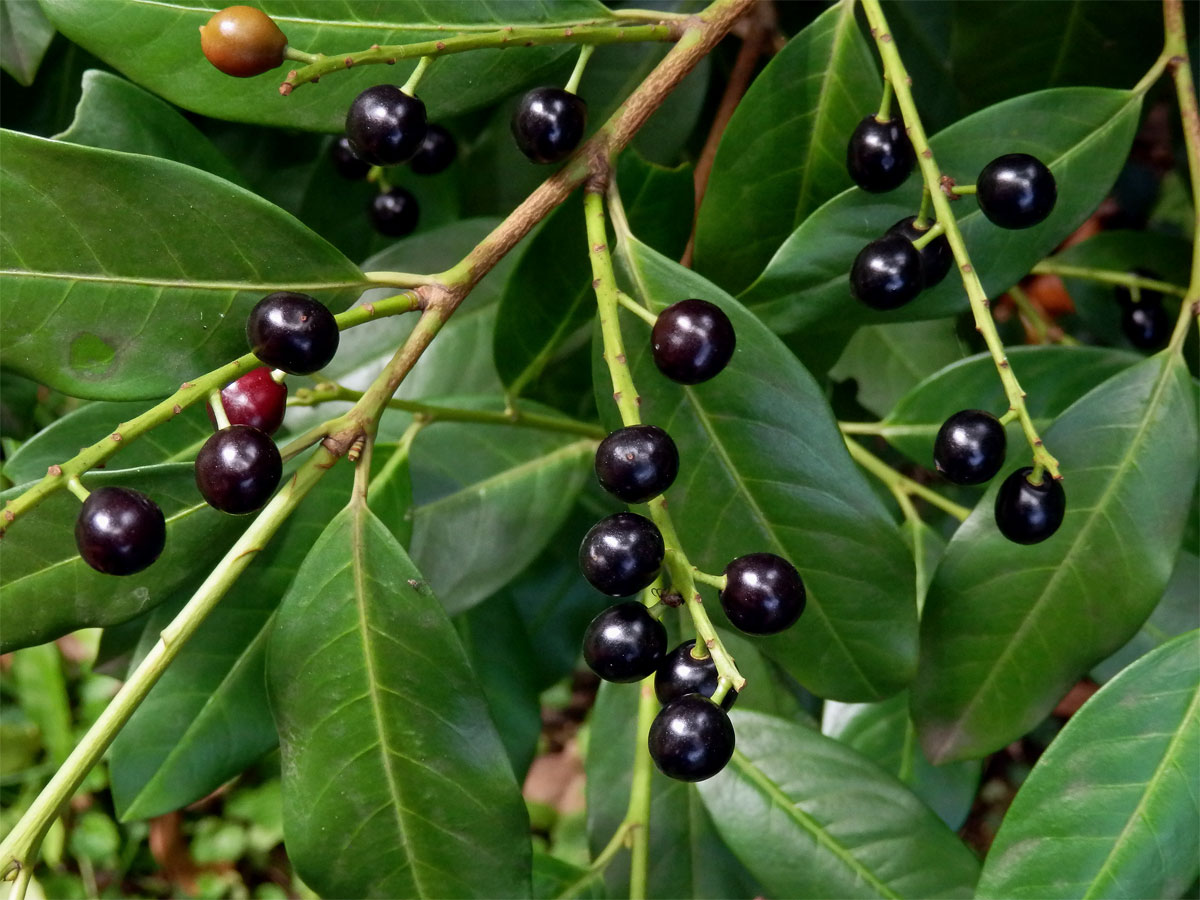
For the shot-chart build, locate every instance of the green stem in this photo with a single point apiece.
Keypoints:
(717, 581)
(1176, 49)
(399, 279)
(295, 55)
(897, 482)
(1043, 327)
(885, 103)
(930, 234)
(638, 814)
(75, 486)
(585, 53)
(895, 71)
(516, 36)
(963, 190)
(218, 409)
(637, 309)
(410, 86)
(923, 213)
(1107, 276)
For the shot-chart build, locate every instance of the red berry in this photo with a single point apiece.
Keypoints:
(242, 41)
(255, 399)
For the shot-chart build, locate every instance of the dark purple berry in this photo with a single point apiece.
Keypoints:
(437, 152)
(394, 213)
(256, 399)
(1029, 513)
(238, 469)
(763, 594)
(346, 161)
(970, 446)
(692, 341)
(936, 257)
(691, 738)
(682, 673)
(1146, 324)
(880, 156)
(624, 643)
(637, 463)
(119, 531)
(1016, 191)
(622, 554)
(887, 273)
(385, 125)
(293, 332)
(549, 123)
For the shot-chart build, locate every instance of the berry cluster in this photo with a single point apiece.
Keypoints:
(691, 738)
(1144, 319)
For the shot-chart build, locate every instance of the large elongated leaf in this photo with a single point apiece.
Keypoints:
(123, 275)
(811, 818)
(156, 45)
(25, 34)
(1007, 628)
(783, 153)
(48, 590)
(395, 782)
(1111, 809)
(763, 468)
(807, 281)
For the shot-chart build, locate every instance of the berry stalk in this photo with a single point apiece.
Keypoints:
(1175, 49)
(897, 75)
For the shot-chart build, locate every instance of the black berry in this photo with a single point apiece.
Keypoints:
(1146, 324)
(970, 446)
(1029, 513)
(394, 213)
(119, 531)
(691, 738)
(692, 341)
(682, 673)
(621, 554)
(637, 463)
(242, 41)
(887, 273)
(256, 399)
(549, 123)
(238, 469)
(385, 125)
(880, 156)
(624, 643)
(293, 332)
(1016, 191)
(764, 593)
(936, 257)
(346, 161)
(436, 153)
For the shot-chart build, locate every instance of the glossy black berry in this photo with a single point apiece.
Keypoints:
(385, 125)
(119, 531)
(1016, 191)
(621, 554)
(346, 161)
(1029, 513)
(880, 156)
(637, 463)
(936, 257)
(238, 469)
(764, 593)
(682, 673)
(436, 153)
(242, 41)
(887, 273)
(691, 738)
(256, 399)
(624, 643)
(293, 332)
(1146, 324)
(549, 123)
(692, 341)
(969, 448)
(394, 213)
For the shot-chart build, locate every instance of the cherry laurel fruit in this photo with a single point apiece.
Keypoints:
(692, 341)
(238, 469)
(764, 593)
(682, 673)
(1016, 191)
(880, 156)
(887, 273)
(385, 125)
(621, 554)
(691, 738)
(256, 399)
(936, 257)
(119, 531)
(1029, 513)
(394, 213)
(637, 463)
(549, 124)
(293, 332)
(436, 153)
(242, 41)
(346, 161)
(970, 447)
(624, 643)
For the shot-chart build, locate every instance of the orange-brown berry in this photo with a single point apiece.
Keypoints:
(242, 41)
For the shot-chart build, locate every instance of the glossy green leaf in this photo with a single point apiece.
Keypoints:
(783, 153)
(395, 783)
(807, 281)
(557, 879)
(123, 276)
(40, 689)
(1111, 808)
(487, 499)
(48, 590)
(1008, 629)
(887, 361)
(812, 818)
(208, 717)
(25, 35)
(157, 46)
(764, 468)
(687, 857)
(1053, 378)
(114, 114)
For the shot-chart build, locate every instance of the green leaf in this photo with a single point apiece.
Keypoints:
(886, 361)
(41, 693)
(125, 275)
(48, 590)
(114, 114)
(487, 499)
(687, 857)
(1110, 810)
(783, 153)
(556, 879)
(811, 818)
(1053, 378)
(25, 35)
(764, 468)
(157, 46)
(207, 719)
(1008, 629)
(807, 281)
(395, 783)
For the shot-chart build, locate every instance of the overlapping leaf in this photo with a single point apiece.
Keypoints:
(123, 275)
(1007, 628)
(1111, 808)
(25, 34)
(395, 782)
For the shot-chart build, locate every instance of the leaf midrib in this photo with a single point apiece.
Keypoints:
(187, 284)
